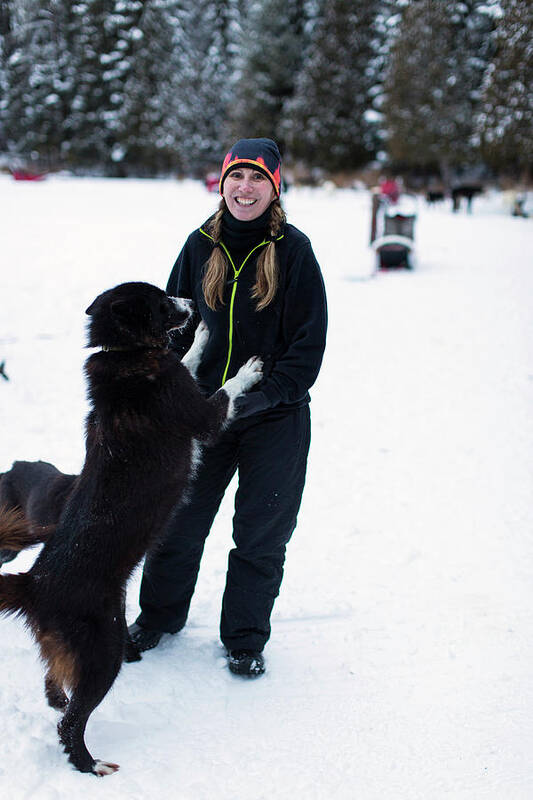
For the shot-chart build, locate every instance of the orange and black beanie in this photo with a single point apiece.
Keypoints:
(260, 154)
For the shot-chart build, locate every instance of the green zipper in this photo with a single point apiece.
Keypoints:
(236, 273)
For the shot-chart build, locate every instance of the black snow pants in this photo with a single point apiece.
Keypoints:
(270, 452)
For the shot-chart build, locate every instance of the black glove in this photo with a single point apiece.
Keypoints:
(252, 403)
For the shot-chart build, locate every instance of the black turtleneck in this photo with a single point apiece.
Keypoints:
(241, 237)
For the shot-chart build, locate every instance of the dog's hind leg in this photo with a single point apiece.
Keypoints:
(54, 693)
(71, 731)
(90, 691)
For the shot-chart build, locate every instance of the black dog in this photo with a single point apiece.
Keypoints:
(34, 493)
(146, 419)
(434, 196)
(468, 191)
(40, 491)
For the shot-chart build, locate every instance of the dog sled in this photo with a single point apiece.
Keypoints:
(27, 175)
(392, 236)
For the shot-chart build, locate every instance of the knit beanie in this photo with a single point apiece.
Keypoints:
(260, 154)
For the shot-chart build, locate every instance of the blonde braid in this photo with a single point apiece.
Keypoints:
(266, 284)
(217, 265)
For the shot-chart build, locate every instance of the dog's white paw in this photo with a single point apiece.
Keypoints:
(102, 768)
(250, 373)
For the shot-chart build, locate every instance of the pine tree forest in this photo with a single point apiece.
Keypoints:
(125, 87)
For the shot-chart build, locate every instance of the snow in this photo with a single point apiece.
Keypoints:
(400, 660)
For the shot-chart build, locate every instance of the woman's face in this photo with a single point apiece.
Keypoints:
(248, 193)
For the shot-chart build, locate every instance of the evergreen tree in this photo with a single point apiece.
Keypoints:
(146, 139)
(32, 105)
(126, 86)
(433, 85)
(273, 43)
(102, 53)
(63, 78)
(329, 120)
(505, 121)
(387, 21)
(6, 39)
(204, 43)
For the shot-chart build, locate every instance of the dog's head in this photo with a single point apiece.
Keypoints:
(135, 315)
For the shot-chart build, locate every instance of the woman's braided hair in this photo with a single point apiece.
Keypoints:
(216, 270)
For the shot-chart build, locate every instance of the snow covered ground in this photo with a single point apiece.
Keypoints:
(400, 665)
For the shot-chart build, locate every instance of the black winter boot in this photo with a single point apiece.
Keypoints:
(246, 662)
(142, 639)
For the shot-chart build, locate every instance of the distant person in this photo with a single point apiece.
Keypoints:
(518, 207)
(258, 287)
(390, 189)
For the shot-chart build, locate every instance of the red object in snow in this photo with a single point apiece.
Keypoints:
(26, 175)
(390, 189)
(211, 181)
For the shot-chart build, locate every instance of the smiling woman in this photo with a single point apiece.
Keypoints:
(258, 290)
(248, 193)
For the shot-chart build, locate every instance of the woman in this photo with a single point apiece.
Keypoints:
(258, 287)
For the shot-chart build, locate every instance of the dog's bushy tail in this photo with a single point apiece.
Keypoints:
(14, 529)
(17, 532)
(14, 593)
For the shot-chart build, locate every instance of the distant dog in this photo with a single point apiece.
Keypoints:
(468, 191)
(146, 418)
(434, 196)
(39, 491)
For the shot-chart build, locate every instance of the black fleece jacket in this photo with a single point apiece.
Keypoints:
(289, 334)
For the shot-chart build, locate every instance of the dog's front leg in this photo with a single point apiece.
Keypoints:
(193, 356)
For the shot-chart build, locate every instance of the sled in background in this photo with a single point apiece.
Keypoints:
(27, 175)
(392, 234)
